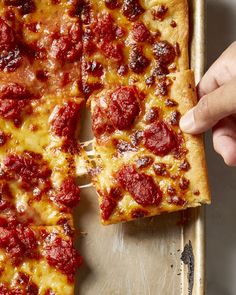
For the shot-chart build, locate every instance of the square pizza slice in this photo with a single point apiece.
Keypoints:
(40, 104)
(38, 158)
(37, 260)
(41, 46)
(132, 41)
(145, 164)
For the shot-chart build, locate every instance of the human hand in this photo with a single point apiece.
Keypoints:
(217, 106)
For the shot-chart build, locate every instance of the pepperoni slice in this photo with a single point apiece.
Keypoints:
(140, 32)
(69, 194)
(7, 36)
(107, 207)
(123, 107)
(68, 47)
(64, 123)
(10, 56)
(138, 62)
(132, 9)
(164, 52)
(13, 100)
(14, 91)
(29, 168)
(62, 255)
(19, 242)
(112, 4)
(105, 28)
(160, 139)
(141, 186)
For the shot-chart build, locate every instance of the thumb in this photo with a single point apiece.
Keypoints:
(210, 109)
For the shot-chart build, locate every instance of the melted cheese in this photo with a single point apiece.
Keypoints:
(39, 271)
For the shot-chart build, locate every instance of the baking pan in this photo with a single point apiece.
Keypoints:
(144, 257)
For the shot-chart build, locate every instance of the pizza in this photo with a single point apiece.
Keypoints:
(144, 164)
(41, 157)
(155, 167)
(38, 260)
(127, 61)
(125, 40)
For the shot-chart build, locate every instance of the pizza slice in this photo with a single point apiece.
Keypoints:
(132, 41)
(40, 105)
(155, 168)
(38, 161)
(37, 260)
(41, 46)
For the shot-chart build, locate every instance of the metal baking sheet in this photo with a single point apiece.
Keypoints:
(144, 257)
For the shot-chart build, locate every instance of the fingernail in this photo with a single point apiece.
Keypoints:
(187, 122)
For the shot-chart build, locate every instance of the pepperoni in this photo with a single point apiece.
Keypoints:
(5, 196)
(164, 52)
(18, 243)
(14, 91)
(68, 47)
(132, 9)
(141, 186)
(123, 107)
(10, 56)
(112, 4)
(65, 121)
(94, 68)
(107, 206)
(184, 166)
(159, 139)
(100, 122)
(7, 36)
(113, 51)
(140, 32)
(137, 60)
(12, 110)
(184, 183)
(62, 255)
(159, 13)
(29, 168)
(83, 11)
(105, 28)
(25, 6)
(69, 194)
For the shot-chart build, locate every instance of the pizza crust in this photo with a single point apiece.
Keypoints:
(179, 13)
(185, 94)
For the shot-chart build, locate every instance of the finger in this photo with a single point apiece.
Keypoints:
(224, 140)
(210, 109)
(221, 72)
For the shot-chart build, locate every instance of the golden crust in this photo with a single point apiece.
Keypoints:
(185, 94)
(177, 12)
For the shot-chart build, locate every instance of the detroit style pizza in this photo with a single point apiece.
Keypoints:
(127, 61)
(145, 165)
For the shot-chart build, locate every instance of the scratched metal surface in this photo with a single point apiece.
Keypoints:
(143, 257)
